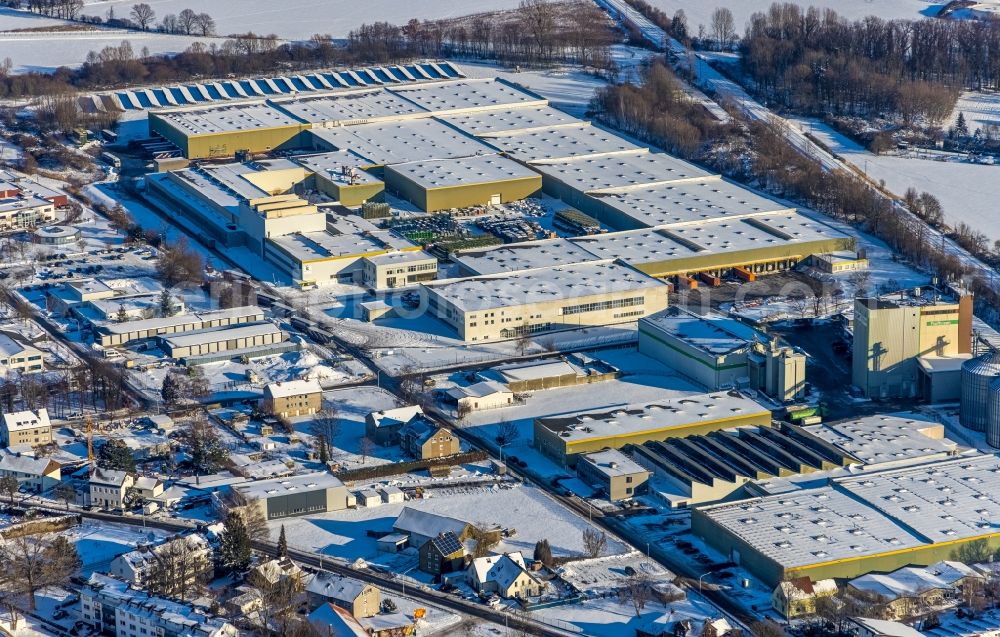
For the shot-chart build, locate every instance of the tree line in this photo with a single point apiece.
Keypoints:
(537, 32)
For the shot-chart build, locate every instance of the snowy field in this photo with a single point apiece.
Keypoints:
(45, 51)
(299, 19)
(526, 508)
(981, 108)
(968, 192)
(700, 12)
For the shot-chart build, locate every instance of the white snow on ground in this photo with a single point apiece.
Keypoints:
(967, 191)
(100, 542)
(299, 19)
(607, 617)
(526, 508)
(12, 20)
(981, 108)
(699, 12)
(46, 51)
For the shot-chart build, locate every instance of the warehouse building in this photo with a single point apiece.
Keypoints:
(513, 257)
(615, 474)
(707, 468)
(292, 398)
(562, 438)
(887, 441)
(223, 130)
(115, 334)
(230, 338)
(339, 175)
(872, 523)
(893, 332)
(762, 244)
(297, 495)
(719, 352)
(441, 184)
(532, 302)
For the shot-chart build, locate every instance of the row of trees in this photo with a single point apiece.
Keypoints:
(815, 61)
(537, 32)
(65, 9)
(187, 22)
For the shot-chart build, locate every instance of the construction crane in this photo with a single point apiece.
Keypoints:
(90, 438)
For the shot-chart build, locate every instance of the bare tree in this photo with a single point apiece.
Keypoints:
(326, 425)
(365, 447)
(251, 513)
(187, 20)
(723, 27)
(594, 542)
(484, 538)
(32, 564)
(143, 15)
(65, 493)
(9, 487)
(636, 590)
(205, 24)
(507, 432)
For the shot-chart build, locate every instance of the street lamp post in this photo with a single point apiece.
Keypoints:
(402, 580)
(700, 578)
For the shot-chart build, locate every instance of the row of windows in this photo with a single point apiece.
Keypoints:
(603, 305)
(630, 314)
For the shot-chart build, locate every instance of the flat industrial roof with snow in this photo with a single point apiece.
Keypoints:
(691, 202)
(315, 246)
(227, 118)
(544, 286)
(403, 141)
(665, 414)
(623, 171)
(876, 440)
(341, 108)
(331, 165)
(221, 333)
(529, 255)
(713, 335)
(250, 312)
(264, 489)
(475, 94)
(561, 143)
(513, 119)
(449, 173)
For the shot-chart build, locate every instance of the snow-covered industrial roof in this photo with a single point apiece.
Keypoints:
(878, 440)
(522, 256)
(448, 173)
(340, 108)
(544, 285)
(712, 334)
(402, 141)
(228, 118)
(623, 171)
(226, 332)
(562, 143)
(467, 94)
(315, 246)
(264, 489)
(502, 121)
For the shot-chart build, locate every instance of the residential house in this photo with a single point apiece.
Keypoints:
(358, 598)
(913, 589)
(17, 355)
(486, 394)
(293, 398)
(276, 573)
(504, 575)
(148, 488)
(421, 526)
(798, 596)
(333, 621)
(442, 554)
(110, 607)
(679, 624)
(26, 428)
(187, 558)
(383, 427)
(614, 473)
(424, 440)
(109, 487)
(34, 474)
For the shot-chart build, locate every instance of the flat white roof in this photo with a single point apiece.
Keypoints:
(292, 388)
(455, 95)
(808, 527)
(512, 119)
(561, 143)
(314, 246)
(669, 413)
(613, 463)
(223, 333)
(623, 171)
(878, 440)
(330, 166)
(560, 283)
(712, 334)
(707, 237)
(403, 141)
(401, 256)
(348, 107)
(264, 489)
(447, 173)
(685, 202)
(227, 118)
(244, 312)
(944, 501)
(529, 255)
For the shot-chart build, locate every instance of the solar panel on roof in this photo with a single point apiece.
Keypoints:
(447, 543)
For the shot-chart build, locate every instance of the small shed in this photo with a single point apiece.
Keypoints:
(391, 495)
(393, 543)
(369, 498)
